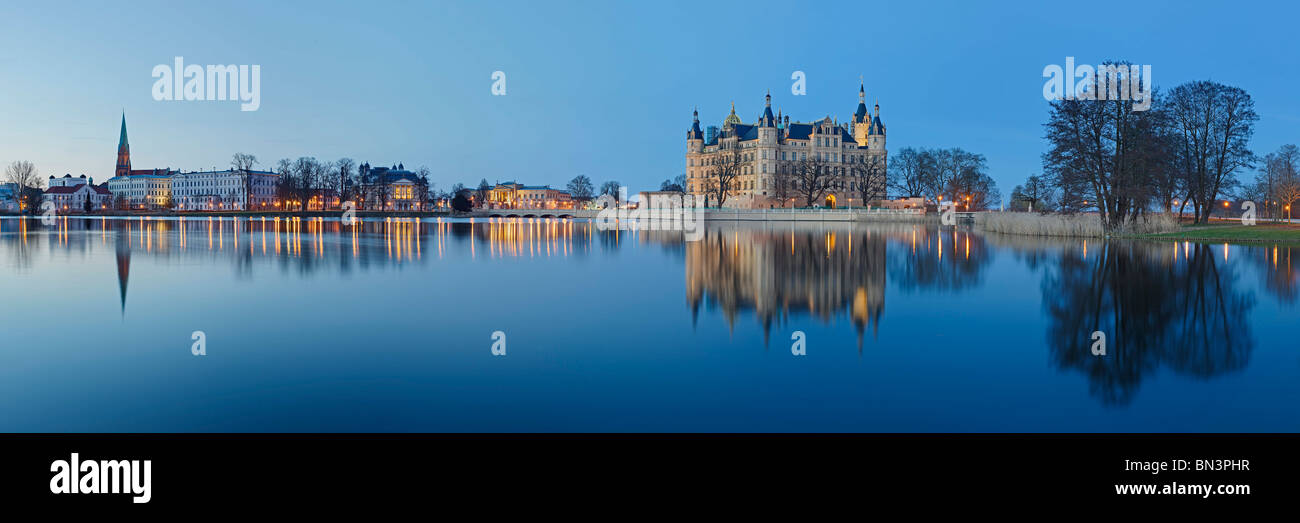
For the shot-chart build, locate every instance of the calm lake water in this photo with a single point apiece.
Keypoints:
(388, 326)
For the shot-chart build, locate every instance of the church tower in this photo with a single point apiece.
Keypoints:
(123, 152)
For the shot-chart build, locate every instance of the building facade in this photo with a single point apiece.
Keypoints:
(392, 188)
(73, 198)
(773, 149)
(224, 190)
(142, 189)
(511, 195)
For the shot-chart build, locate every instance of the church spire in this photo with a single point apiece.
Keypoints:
(121, 140)
(123, 152)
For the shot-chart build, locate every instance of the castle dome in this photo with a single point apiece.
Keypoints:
(732, 119)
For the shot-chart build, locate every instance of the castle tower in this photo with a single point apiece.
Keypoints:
(876, 132)
(861, 120)
(123, 152)
(694, 148)
(765, 167)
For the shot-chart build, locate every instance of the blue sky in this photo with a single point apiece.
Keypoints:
(604, 89)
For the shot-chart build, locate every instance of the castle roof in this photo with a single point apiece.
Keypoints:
(876, 126)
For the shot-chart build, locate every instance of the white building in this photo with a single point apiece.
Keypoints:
(143, 189)
(223, 190)
(391, 188)
(68, 181)
(72, 198)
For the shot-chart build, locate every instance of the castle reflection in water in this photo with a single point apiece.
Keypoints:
(1182, 307)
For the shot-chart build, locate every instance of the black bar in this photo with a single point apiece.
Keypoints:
(395, 470)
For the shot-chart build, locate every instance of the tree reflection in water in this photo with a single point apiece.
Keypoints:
(1181, 312)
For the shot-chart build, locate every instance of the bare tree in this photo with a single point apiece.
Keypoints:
(346, 183)
(906, 172)
(1274, 185)
(423, 188)
(1213, 124)
(243, 163)
(782, 188)
(609, 188)
(812, 177)
(727, 165)
(284, 187)
(1034, 196)
(674, 185)
(1102, 153)
(24, 175)
(306, 171)
(870, 177)
(328, 179)
(580, 187)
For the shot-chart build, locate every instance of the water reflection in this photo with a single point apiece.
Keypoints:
(1182, 311)
(1187, 308)
(775, 272)
(931, 259)
(301, 245)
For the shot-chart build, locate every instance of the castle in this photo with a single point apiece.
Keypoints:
(772, 150)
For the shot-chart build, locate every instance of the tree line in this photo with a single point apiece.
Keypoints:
(1185, 151)
(944, 175)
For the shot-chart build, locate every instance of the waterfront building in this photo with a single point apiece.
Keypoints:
(543, 197)
(224, 190)
(503, 196)
(74, 197)
(773, 148)
(392, 188)
(142, 189)
(511, 195)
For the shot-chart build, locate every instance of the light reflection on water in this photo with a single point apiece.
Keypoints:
(383, 325)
